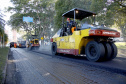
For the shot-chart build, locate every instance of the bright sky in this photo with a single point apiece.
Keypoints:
(5, 4)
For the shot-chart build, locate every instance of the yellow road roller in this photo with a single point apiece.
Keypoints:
(95, 41)
(33, 44)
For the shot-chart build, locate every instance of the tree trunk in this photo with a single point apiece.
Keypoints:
(123, 30)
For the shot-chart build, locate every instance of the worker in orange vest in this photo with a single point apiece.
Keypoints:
(15, 45)
(69, 24)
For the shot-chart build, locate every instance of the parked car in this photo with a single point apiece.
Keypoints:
(13, 44)
(118, 39)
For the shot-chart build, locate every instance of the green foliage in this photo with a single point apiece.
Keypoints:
(2, 33)
(42, 12)
(115, 13)
(121, 45)
(107, 11)
(104, 13)
(5, 38)
(62, 6)
(48, 13)
(2, 23)
(3, 57)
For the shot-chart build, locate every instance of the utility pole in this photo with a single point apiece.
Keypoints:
(35, 26)
(94, 19)
(1, 41)
(3, 37)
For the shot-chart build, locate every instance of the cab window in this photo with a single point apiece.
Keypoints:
(57, 34)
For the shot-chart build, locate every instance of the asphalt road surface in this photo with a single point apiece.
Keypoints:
(28, 67)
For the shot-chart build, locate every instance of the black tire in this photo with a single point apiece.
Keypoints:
(94, 51)
(114, 51)
(108, 51)
(54, 49)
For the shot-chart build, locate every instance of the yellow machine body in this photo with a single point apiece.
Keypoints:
(73, 44)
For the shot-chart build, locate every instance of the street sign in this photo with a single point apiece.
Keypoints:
(42, 38)
(27, 19)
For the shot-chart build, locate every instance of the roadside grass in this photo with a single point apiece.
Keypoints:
(3, 56)
(121, 45)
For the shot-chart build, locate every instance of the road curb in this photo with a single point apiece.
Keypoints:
(5, 69)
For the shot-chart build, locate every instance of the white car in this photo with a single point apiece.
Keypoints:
(118, 39)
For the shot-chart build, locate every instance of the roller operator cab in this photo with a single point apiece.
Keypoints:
(33, 44)
(94, 41)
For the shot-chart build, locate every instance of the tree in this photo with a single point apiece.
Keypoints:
(42, 12)
(2, 33)
(110, 12)
(62, 6)
(121, 16)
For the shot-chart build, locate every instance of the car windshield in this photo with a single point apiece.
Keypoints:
(23, 42)
(12, 43)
